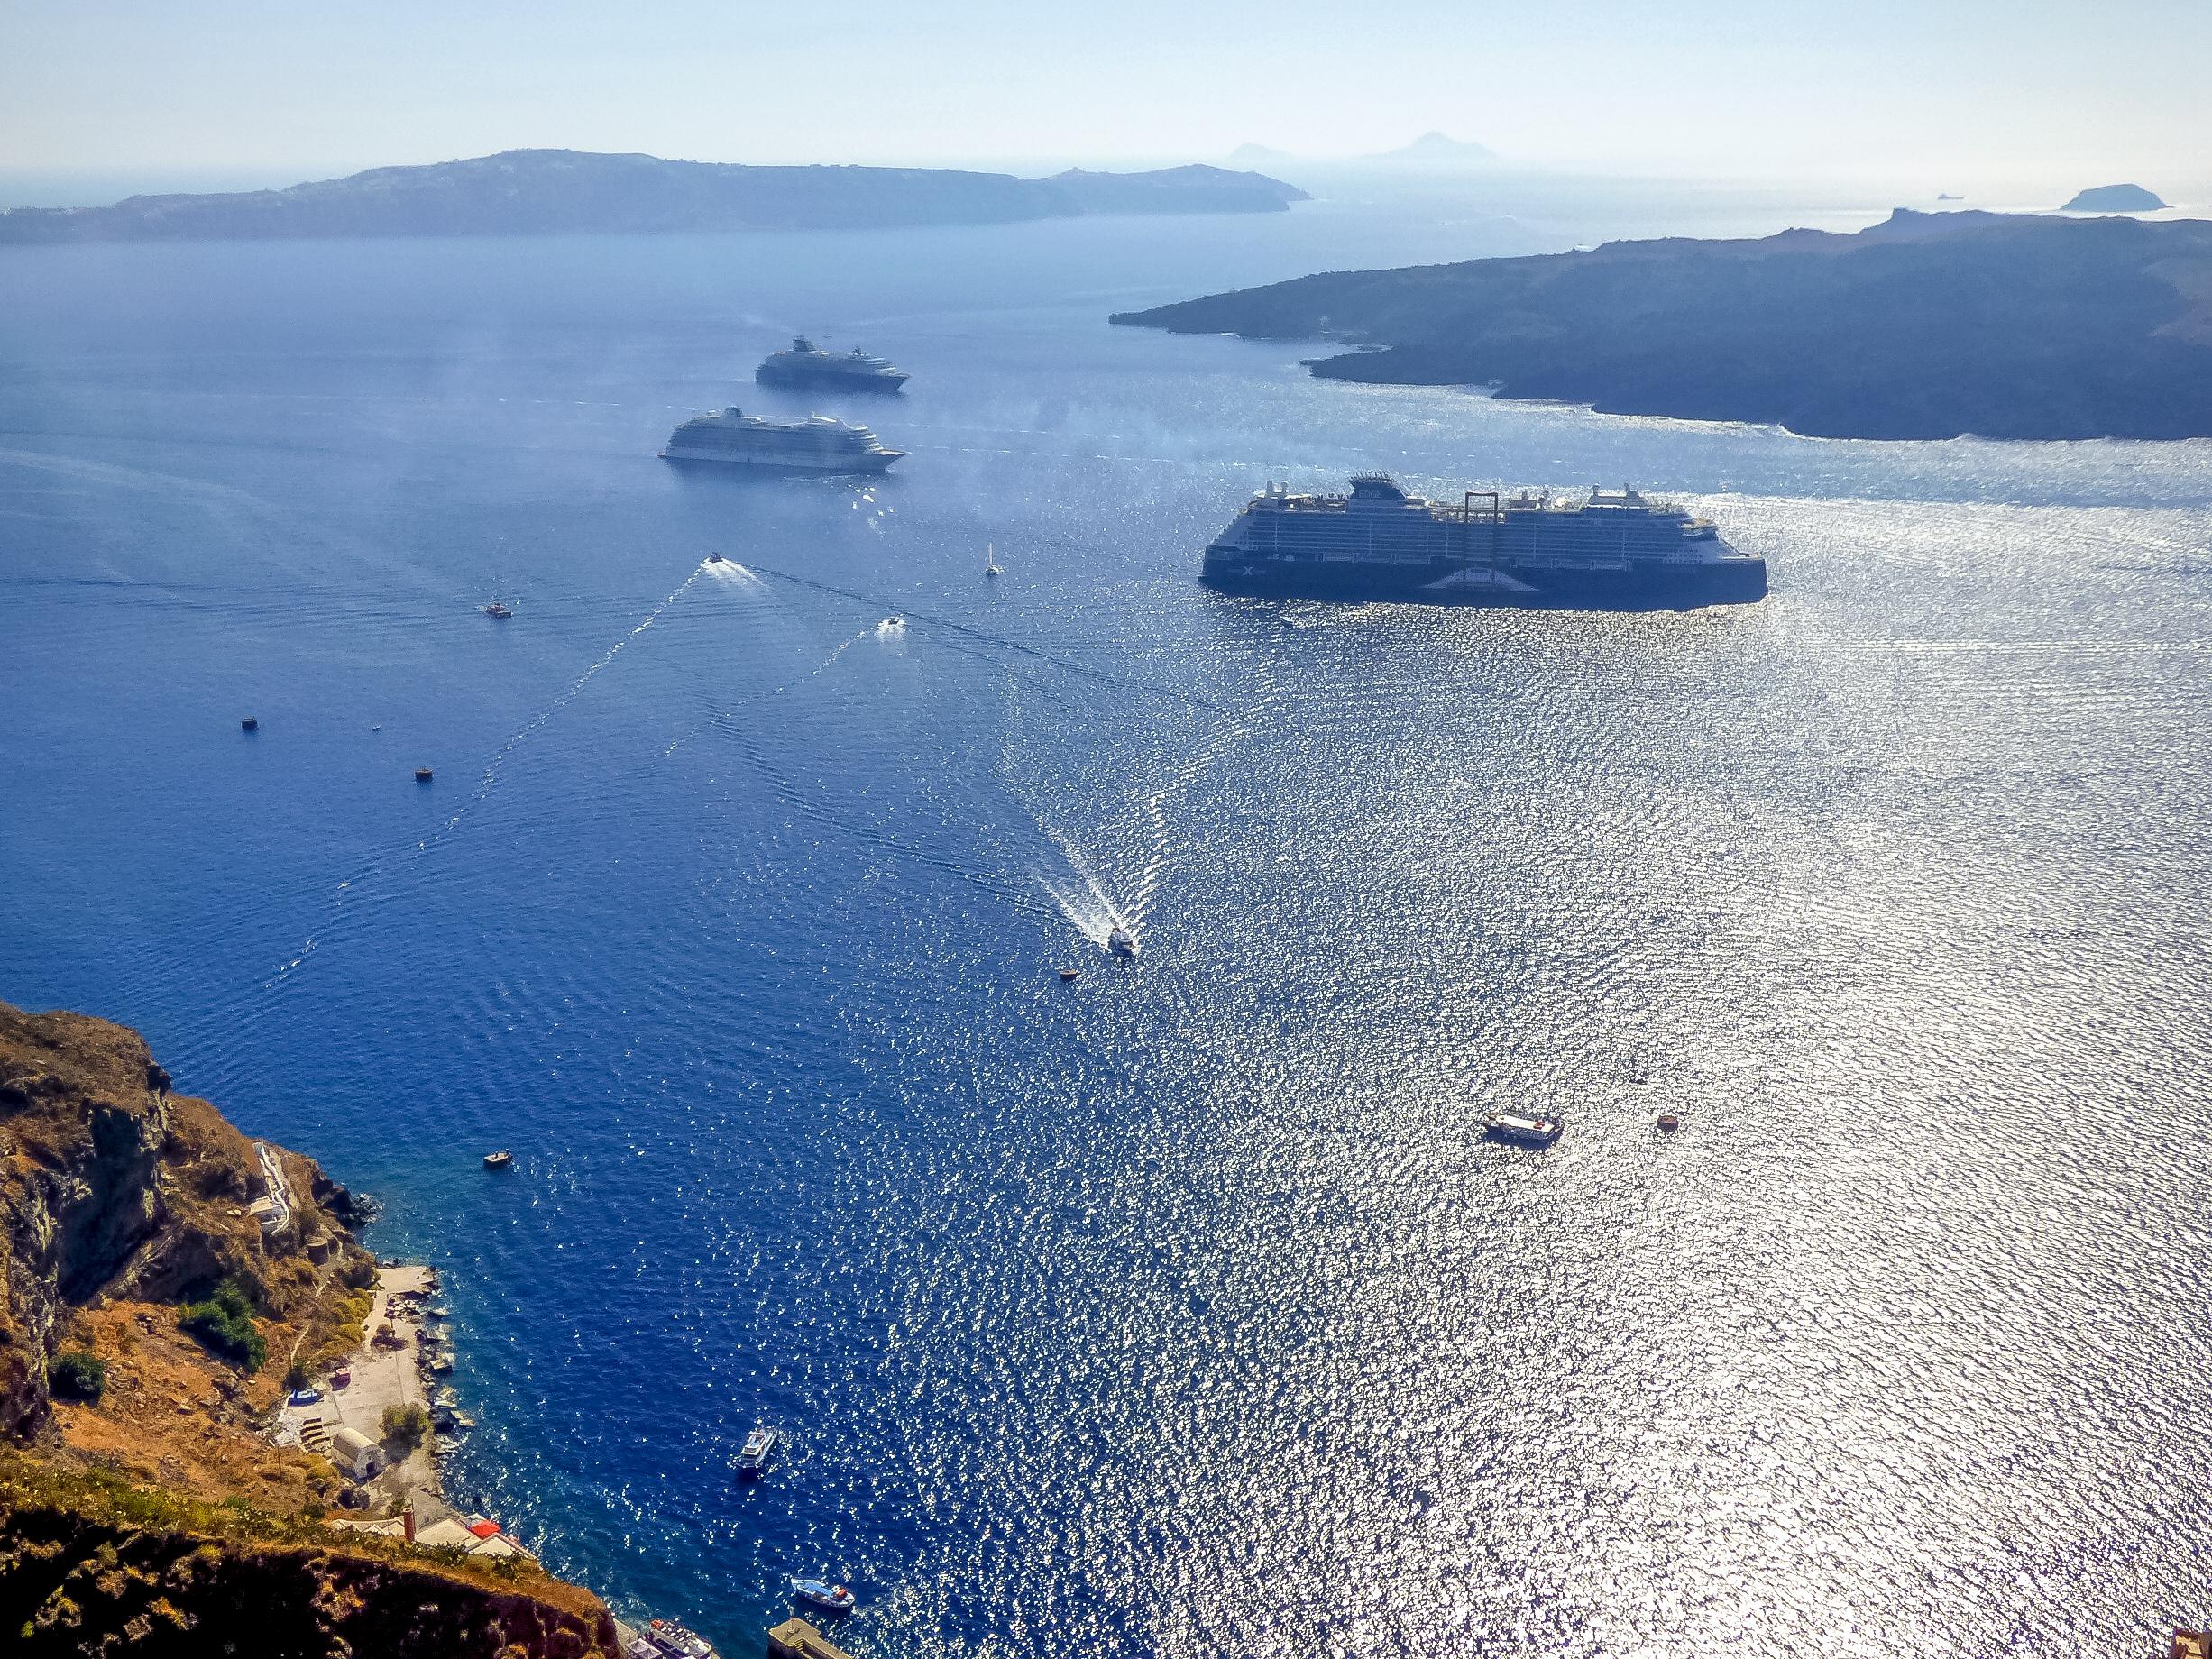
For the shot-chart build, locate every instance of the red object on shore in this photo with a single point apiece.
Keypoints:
(485, 1529)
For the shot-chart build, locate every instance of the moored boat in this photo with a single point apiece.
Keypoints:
(819, 444)
(804, 363)
(1606, 550)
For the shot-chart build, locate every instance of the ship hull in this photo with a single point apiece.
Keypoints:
(821, 380)
(1734, 581)
(880, 462)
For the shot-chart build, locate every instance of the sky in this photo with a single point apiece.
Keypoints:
(190, 94)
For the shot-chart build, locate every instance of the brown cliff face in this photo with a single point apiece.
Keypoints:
(112, 1189)
(159, 1519)
(89, 1567)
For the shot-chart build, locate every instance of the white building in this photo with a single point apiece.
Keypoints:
(357, 1456)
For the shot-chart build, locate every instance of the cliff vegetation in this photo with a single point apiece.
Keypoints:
(159, 1277)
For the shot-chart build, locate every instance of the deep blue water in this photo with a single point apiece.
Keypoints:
(1179, 1307)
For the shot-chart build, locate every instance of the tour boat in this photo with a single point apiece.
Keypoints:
(754, 1455)
(1523, 1131)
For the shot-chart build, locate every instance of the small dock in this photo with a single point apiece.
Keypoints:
(794, 1638)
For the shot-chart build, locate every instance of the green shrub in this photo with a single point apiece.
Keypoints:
(77, 1374)
(298, 1378)
(406, 1426)
(224, 1323)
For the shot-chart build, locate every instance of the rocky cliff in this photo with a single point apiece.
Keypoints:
(149, 1516)
(1927, 326)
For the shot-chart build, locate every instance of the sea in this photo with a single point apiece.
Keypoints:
(1181, 1306)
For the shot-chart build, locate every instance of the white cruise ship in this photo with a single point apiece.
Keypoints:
(816, 444)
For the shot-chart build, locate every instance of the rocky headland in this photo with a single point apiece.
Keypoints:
(1927, 326)
(160, 1276)
(548, 192)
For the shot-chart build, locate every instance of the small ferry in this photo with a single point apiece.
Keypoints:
(498, 1161)
(1522, 1131)
(1121, 941)
(754, 1455)
(828, 1598)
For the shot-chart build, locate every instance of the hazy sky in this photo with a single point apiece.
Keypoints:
(1965, 90)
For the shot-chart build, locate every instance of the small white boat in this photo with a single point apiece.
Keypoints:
(828, 1598)
(990, 564)
(1121, 941)
(1522, 1131)
(754, 1455)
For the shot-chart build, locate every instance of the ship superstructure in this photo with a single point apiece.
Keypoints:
(1614, 550)
(815, 444)
(807, 364)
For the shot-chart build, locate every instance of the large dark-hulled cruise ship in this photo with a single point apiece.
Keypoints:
(1608, 550)
(807, 364)
(815, 444)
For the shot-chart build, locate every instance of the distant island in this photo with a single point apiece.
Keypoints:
(544, 192)
(1432, 152)
(2114, 198)
(1928, 326)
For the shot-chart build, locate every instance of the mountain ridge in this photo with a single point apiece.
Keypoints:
(552, 192)
(1927, 326)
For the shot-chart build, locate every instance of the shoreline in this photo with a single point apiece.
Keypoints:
(404, 1351)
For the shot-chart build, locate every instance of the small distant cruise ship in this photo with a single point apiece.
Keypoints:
(807, 364)
(818, 443)
(1608, 550)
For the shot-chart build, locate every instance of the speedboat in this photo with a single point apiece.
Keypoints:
(1121, 941)
(754, 1455)
(498, 1161)
(714, 558)
(495, 609)
(828, 1598)
(1522, 1131)
(1069, 972)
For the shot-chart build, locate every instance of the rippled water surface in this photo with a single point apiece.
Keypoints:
(1178, 1307)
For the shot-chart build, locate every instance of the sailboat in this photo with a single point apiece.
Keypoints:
(990, 564)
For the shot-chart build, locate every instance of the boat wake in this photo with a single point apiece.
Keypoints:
(350, 889)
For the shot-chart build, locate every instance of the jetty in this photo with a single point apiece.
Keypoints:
(794, 1638)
